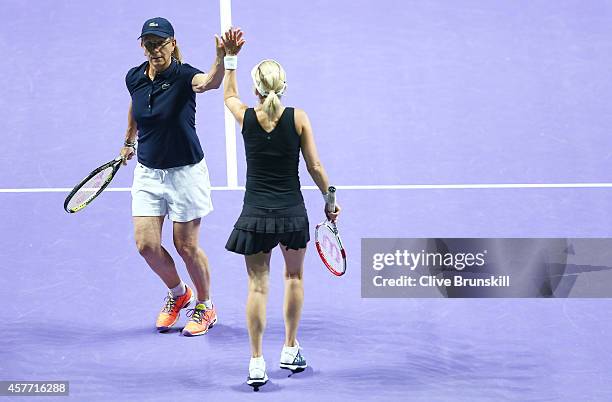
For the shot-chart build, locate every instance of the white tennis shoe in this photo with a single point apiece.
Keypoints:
(291, 358)
(257, 372)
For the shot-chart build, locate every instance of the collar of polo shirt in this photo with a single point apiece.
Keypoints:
(166, 73)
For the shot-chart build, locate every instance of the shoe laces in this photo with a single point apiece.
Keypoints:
(170, 303)
(196, 314)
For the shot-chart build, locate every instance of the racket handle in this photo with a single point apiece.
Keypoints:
(330, 205)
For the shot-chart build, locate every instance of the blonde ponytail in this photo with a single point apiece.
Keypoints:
(270, 82)
(271, 105)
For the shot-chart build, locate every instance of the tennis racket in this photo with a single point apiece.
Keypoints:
(328, 240)
(91, 186)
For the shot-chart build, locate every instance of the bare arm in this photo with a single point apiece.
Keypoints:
(233, 42)
(132, 130)
(309, 151)
(311, 157)
(127, 152)
(231, 97)
(212, 79)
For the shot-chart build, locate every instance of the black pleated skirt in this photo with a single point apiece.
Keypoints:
(261, 229)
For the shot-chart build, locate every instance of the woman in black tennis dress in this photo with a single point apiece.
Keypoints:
(273, 210)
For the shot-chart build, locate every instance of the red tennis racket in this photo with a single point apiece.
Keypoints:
(328, 240)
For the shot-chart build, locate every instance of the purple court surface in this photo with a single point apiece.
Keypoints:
(399, 93)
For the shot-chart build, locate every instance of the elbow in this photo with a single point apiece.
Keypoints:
(314, 168)
(229, 95)
(211, 86)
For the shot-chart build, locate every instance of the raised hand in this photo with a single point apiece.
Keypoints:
(219, 47)
(233, 41)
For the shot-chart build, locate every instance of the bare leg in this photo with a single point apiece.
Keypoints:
(186, 241)
(258, 268)
(147, 233)
(294, 292)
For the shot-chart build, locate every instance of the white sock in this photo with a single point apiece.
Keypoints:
(179, 290)
(207, 303)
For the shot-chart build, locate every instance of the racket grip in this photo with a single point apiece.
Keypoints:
(330, 205)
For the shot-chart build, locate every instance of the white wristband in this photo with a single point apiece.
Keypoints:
(230, 62)
(325, 197)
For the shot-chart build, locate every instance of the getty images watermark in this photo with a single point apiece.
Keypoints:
(463, 267)
(410, 261)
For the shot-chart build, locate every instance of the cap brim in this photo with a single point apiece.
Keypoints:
(156, 33)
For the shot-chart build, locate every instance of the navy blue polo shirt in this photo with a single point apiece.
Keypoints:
(164, 110)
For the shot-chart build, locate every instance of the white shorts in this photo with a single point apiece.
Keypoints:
(182, 193)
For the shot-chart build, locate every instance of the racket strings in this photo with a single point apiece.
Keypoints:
(90, 188)
(331, 249)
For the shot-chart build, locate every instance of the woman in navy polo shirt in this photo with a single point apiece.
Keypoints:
(171, 177)
(273, 210)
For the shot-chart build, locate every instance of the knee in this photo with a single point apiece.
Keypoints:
(186, 250)
(148, 248)
(293, 274)
(258, 284)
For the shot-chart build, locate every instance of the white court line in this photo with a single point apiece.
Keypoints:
(225, 7)
(356, 187)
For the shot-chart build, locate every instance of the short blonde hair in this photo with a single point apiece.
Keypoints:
(270, 83)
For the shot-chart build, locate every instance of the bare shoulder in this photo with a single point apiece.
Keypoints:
(299, 114)
(301, 120)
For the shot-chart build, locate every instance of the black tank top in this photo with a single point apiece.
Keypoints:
(272, 162)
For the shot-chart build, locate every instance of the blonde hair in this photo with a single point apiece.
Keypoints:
(176, 53)
(270, 83)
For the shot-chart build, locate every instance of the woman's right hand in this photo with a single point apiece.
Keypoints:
(126, 154)
(233, 41)
(332, 216)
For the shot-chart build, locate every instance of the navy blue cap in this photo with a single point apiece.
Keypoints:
(157, 26)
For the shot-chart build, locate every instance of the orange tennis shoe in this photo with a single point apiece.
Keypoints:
(170, 313)
(202, 319)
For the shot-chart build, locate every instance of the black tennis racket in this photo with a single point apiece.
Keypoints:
(328, 240)
(92, 186)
